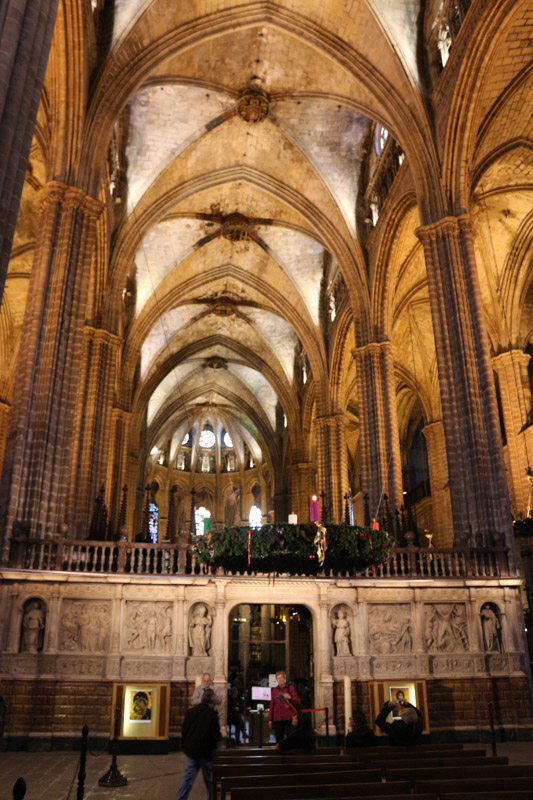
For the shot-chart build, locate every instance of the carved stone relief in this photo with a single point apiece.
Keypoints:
(81, 667)
(390, 629)
(85, 626)
(148, 627)
(342, 632)
(145, 668)
(445, 627)
(449, 665)
(385, 667)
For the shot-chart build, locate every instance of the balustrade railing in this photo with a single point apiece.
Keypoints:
(135, 558)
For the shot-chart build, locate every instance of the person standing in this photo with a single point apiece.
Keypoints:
(199, 736)
(404, 731)
(200, 689)
(279, 714)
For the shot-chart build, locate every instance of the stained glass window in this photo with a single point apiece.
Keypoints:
(153, 521)
(207, 438)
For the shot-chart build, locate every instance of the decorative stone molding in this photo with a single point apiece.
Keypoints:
(236, 228)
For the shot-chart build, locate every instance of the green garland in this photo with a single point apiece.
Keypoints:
(285, 548)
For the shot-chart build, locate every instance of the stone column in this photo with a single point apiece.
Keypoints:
(117, 473)
(34, 488)
(15, 622)
(381, 466)
(332, 464)
(438, 479)
(476, 469)
(5, 408)
(25, 35)
(323, 648)
(511, 369)
(303, 485)
(93, 425)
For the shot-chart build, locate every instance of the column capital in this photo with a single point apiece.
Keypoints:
(121, 413)
(372, 349)
(62, 194)
(443, 226)
(510, 357)
(102, 335)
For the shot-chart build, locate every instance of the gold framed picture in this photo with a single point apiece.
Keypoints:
(144, 709)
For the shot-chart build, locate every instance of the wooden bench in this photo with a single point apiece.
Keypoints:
(418, 774)
(316, 776)
(239, 752)
(433, 763)
(414, 754)
(222, 770)
(483, 788)
(337, 791)
(507, 795)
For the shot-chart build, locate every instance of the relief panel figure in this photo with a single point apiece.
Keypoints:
(200, 626)
(33, 622)
(342, 632)
(390, 629)
(492, 628)
(85, 627)
(446, 627)
(149, 626)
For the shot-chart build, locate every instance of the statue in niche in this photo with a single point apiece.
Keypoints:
(492, 628)
(231, 506)
(32, 627)
(342, 633)
(446, 628)
(390, 629)
(200, 631)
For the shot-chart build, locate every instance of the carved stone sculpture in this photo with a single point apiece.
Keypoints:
(200, 626)
(85, 626)
(492, 628)
(342, 633)
(32, 627)
(390, 629)
(446, 628)
(149, 626)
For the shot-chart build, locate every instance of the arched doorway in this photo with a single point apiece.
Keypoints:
(265, 638)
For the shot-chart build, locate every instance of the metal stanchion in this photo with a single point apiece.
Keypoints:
(492, 730)
(83, 758)
(113, 777)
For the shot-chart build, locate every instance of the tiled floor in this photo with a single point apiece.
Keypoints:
(53, 776)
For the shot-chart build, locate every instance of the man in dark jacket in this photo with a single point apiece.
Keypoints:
(199, 736)
(403, 731)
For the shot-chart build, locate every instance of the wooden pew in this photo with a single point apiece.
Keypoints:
(316, 775)
(483, 788)
(239, 752)
(299, 767)
(506, 795)
(419, 774)
(338, 791)
(414, 754)
(433, 763)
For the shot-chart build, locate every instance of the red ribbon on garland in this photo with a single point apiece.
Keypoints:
(249, 544)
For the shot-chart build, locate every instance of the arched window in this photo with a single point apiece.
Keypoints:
(382, 135)
(153, 521)
(207, 438)
(255, 518)
(228, 441)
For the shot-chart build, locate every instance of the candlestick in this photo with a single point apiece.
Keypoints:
(314, 509)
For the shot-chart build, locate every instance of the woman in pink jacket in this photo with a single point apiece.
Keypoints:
(283, 706)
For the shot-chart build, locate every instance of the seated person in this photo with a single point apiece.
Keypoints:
(361, 734)
(404, 731)
(302, 735)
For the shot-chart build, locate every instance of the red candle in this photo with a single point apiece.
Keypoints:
(374, 524)
(314, 509)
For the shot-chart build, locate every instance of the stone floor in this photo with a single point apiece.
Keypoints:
(53, 776)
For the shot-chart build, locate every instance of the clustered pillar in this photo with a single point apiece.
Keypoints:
(476, 468)
(35, 478)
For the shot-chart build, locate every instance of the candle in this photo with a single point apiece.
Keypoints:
(293, 519)
(374, 524)
(347, 703)
(314, 509)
